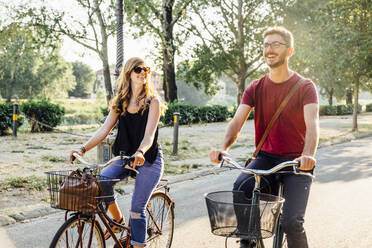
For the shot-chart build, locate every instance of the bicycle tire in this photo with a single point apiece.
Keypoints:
(280, 239)
(161, 210)
(68, 234)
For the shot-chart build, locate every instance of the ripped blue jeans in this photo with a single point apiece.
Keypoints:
(146, 180)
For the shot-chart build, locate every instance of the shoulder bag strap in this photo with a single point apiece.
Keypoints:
(276, 115)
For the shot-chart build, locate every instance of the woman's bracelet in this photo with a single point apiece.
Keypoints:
(139, 150)
(83, 149)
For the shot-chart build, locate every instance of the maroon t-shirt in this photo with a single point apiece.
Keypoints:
(287, 137)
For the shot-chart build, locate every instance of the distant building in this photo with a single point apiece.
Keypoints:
(100, 83)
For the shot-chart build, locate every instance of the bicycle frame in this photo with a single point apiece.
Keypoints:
(278, 233)
(107, 221)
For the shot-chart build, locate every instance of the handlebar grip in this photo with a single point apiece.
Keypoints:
(219, 157)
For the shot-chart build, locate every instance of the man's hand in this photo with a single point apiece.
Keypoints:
(307, 163)
(214, 154)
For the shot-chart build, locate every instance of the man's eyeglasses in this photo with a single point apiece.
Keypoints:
(139, 69)
(273, 45)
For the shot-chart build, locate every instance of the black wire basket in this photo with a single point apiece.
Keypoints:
(76, 191)
(232, 214)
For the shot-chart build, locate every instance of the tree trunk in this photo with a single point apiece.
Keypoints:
(241, 87)
(104, 54)
(349, 96)
(107, 80)
(243, 67)
(356, 100)
(330, 97)
(169, 75)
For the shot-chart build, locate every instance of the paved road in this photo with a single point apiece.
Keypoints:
(339, 211)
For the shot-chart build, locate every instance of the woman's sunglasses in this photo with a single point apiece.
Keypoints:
(138, 69)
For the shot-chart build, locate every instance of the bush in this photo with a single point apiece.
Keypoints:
(6, 118)
(345, 109)
(193, 114)
(369, 107)
(330, 110)
(43, 112)
(213, 113)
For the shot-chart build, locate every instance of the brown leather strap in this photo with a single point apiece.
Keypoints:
(276, 115)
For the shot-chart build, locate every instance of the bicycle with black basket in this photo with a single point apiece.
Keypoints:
(233, 215)
(78, 192)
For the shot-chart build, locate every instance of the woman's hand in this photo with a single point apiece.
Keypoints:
(139, 159)
(79, 151)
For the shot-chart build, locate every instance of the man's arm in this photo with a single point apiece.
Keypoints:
(311, 116)
(232, 131)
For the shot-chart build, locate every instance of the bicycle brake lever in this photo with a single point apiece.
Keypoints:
(131, 168)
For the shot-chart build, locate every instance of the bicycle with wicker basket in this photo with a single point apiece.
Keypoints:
(79, 193)
(233, 215)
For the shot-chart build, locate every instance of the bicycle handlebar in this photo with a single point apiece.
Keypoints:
(236, 165)
(101, 166)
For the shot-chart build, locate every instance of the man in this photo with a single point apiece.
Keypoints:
(294, 135)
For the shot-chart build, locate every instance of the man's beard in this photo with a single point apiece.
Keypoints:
(279, 63)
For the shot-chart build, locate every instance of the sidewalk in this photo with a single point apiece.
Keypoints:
(238, 152)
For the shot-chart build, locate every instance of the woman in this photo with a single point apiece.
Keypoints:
(138, 108)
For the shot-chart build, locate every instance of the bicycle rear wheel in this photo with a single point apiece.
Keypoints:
(160, 221)
(68, 234)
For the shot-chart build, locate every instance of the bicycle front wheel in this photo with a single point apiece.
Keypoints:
(160, 221)
(77, 233)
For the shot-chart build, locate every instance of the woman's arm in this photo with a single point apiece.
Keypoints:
(100, 135)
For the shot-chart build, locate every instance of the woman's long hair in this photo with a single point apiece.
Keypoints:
(124, 89)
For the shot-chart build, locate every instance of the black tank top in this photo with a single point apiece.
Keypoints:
(131, 130)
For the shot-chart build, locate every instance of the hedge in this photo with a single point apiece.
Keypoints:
(6, 118)
(43, 112)
(346, 109)
(369, 107)
(189, 114)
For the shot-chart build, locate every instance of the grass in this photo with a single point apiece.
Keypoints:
(28, 183)
(52, 158)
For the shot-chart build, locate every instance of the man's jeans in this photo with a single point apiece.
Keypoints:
(296, 194)
(146, 180)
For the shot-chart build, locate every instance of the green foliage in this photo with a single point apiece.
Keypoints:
(160, 19)
(84, 76)
(6, 118)
(189, 114)
(29, 183)
(346, 109)
(369, 107)
(105, 111)
(228, 42)
(91, 30)
(44, 112)
(28, 69)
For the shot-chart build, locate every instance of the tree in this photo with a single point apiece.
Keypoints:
(84, 77)
(159, 19)
(29, 69)
(92, 32)
(350, 24)
(230, 41)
